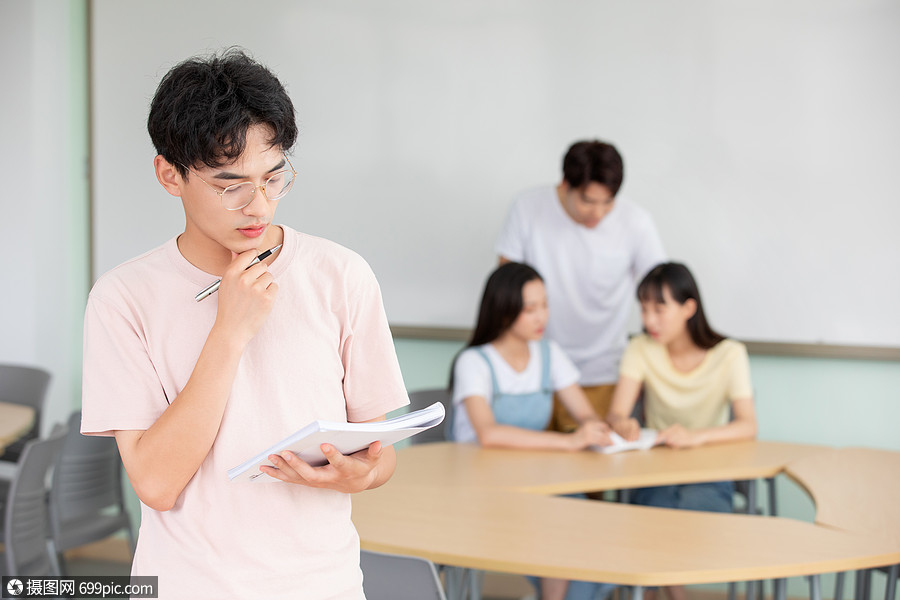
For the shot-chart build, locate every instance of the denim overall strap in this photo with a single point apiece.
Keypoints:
(546, 382)
(495, 388)
(531, 410)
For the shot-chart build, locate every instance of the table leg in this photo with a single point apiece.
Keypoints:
(860, 585)
(751, 590)
(637, 592)
(815, 589)
(773, 501)
(890, 588)
(839, 586)
(780, 592)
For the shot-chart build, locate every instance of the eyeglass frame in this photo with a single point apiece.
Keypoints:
(261, 188)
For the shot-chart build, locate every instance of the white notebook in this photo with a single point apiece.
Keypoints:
(646, 440)
(346, 437)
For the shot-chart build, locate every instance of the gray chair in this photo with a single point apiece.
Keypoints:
(28, 386)
(394, 577)
(424, 398)
(25, 519)
(86, 499)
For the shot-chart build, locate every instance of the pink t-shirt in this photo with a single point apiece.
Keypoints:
(324, 352)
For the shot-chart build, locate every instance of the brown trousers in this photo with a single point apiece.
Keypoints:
(600, 397)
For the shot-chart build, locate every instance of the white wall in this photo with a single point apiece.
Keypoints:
(44, 153)
(761, 136)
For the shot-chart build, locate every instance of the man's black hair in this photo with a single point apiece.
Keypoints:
(204, 106)
(595, 161)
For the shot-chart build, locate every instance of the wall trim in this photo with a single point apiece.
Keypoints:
(755, 347)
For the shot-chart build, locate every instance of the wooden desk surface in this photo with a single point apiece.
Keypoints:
(546, 472)
(516, 532)
(466, 506)
(856, 489)
(15, 420)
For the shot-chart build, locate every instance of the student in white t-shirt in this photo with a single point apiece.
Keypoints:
(691, 376)
(192, 388)
(503, 384)
(592, 247)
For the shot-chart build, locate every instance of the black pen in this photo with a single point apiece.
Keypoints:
(212, 288)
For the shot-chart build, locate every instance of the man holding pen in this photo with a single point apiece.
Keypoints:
(190, 388)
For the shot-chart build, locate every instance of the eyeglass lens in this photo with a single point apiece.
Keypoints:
(240, 195)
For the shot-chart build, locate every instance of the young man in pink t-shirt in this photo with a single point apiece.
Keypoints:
(191, 388)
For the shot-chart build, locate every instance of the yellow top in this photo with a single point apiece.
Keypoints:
(696, 399)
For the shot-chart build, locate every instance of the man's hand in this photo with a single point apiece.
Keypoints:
(246, 296)
(343, 473)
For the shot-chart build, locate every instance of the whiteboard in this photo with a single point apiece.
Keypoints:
(762, 137)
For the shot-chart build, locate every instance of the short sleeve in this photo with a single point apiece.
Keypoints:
(740, 385)
(120, 387)
(373, 384)
(648, 248)
(511, 243)
(563, 371)
(634, 363)
(471, 377)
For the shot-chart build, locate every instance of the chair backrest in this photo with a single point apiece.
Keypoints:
(88, 477)
(26, 529)
(28, 386)
(394, 577)
(87, 482)
(423, 398)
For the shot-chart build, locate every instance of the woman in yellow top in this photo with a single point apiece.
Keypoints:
(691, 377)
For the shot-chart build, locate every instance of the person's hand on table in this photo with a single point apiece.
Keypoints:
(591, 433)
(629, 429)
(676, 436)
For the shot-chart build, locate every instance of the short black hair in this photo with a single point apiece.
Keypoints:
(596, 161)
(204, 106)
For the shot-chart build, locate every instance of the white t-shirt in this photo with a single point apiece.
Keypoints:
(591, 274)
(324, 352)
(472, 377)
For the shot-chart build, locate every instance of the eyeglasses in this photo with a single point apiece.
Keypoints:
(239, 195)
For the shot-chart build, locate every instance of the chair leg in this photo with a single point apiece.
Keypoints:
(732, 591)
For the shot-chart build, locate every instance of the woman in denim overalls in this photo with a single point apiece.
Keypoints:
(504, 380)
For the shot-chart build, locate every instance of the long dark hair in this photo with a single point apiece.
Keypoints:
(682, 287)
(501, 304)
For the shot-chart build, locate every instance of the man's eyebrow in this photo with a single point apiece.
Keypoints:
(237, 176)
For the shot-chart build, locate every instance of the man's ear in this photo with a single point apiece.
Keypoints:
(168, 175)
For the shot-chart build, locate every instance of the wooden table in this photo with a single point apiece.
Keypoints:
(15, 421)
(855, 489)
(466, 506)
